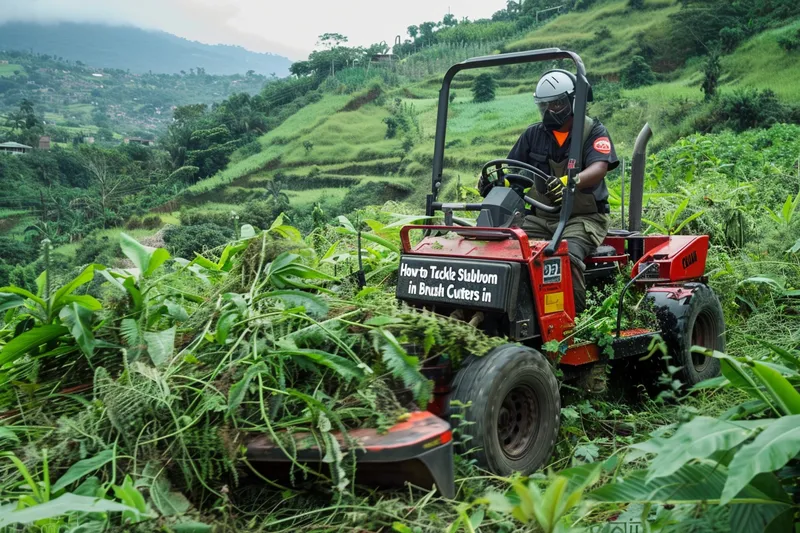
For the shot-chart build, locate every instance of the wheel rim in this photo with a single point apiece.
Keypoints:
(705, 333)
(517, 423)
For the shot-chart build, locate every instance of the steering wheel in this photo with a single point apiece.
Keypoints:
(514, 178)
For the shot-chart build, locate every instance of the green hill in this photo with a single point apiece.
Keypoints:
(350, 146)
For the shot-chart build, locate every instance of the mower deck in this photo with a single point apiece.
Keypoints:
(418, 450)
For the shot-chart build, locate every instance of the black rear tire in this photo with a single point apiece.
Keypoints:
(515, 409)
(697, 321)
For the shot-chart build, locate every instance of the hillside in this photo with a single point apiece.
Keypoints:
(139, 51)
(75, 98)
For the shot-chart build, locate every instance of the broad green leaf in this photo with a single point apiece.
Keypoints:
(157, 258)
(313, 304)
(768, 452)
(64, 504)
(176, 311)
(476, 518)
(160, 345)
(6, 434)
(19, 346)
(657, 226)
(687, 221)
(790, 357)
(346, 368)
(89, 302)
(346, 224)
(135, 251)
(205, 263)
(86, 275)
(10, 301)
(239, 389)
(698, 439)
(130, 495)
(380, 240)
(168, 502)
(81, 468)
(79, 321)
(690, 484)
(785, 395)
(26, 294)
(776, 283)
(89, 487)
(224, 325)
(330, 252)
(247, 231)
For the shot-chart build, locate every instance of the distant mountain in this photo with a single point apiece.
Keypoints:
(134, 49)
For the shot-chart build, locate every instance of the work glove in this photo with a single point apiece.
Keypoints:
(556, 186)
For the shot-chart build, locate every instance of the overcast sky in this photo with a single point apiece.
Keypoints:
(286, 27)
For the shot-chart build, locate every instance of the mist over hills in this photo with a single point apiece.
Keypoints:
(134, 49)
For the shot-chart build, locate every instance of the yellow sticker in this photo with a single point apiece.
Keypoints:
(553, 302)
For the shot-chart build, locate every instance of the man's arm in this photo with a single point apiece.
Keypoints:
(592, 175)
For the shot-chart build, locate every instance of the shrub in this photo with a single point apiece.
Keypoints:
(483, 88)
(636, 4)
(95, 249)
(712, 71)
(152, 222)
(184, 241)
(250, 149)
(730, 38)
(638, 73)
(790, 42)
(134, 222)
(602, 34)
(749, 108)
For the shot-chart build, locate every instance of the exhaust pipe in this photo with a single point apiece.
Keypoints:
(637, 179)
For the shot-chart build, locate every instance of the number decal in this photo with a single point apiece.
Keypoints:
(552, 270)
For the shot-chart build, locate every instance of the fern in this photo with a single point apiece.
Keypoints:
(403, 366)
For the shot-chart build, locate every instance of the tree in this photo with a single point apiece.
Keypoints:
(449, 21)
(413, 31)
(276, 195)
(483, 88)
(331, 40)
(638, 73)
(712, 71)
(107, 185)
(426, 33)
(636, 4)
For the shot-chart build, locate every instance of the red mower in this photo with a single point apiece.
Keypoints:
(494, 277)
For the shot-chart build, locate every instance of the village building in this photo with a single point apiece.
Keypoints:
(44, 143)
(14, 148)
(138, 140)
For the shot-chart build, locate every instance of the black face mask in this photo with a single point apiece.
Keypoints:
(554, 121)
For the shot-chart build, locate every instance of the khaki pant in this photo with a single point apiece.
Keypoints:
(583, 234)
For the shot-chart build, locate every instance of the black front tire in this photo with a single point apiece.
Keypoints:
(698, 321)
(515, 409)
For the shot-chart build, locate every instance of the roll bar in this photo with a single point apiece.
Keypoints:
(575, 163)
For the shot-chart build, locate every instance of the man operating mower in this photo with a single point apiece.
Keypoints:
(545, 145)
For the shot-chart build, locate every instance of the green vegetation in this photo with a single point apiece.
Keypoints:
(184, 454)
(11, 69)
(202, 291)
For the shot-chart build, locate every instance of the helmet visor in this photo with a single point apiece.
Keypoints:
(556, 105)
